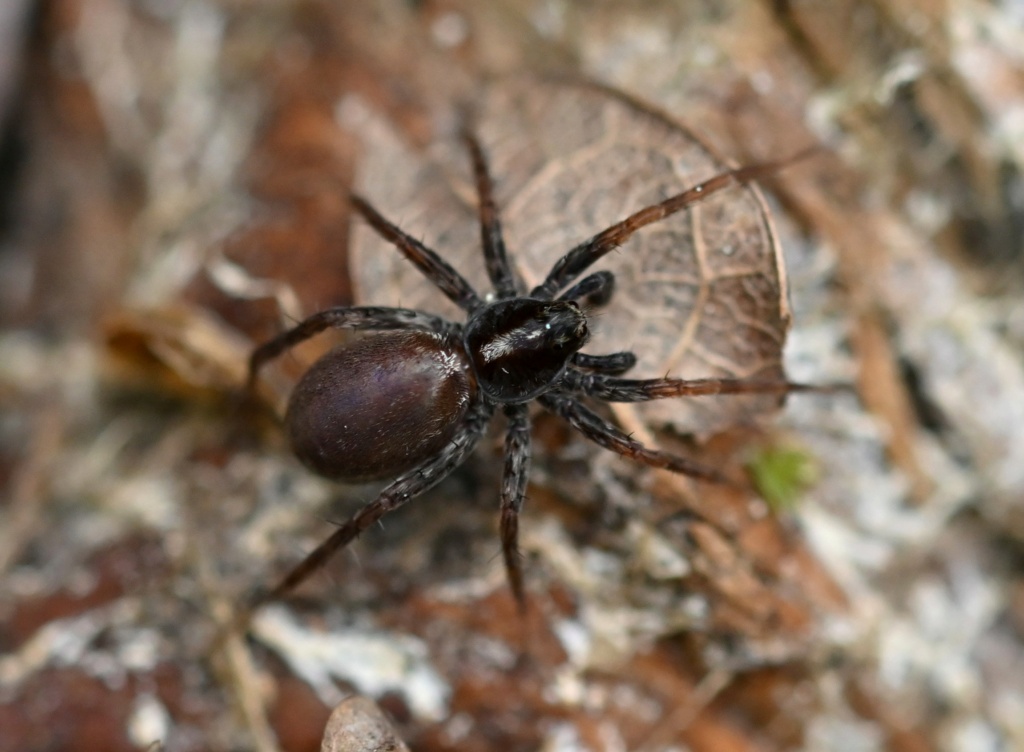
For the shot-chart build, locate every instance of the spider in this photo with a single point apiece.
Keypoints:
(412, 401)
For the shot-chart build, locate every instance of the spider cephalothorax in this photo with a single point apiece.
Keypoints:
(413, 402)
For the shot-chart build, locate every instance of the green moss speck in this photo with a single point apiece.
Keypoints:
(782, 475)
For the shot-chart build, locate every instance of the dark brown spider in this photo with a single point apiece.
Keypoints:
(413, 403)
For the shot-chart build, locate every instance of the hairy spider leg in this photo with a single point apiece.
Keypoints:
(499, 266)
(513, 492)
(580, 258)
(604, 386)
(603, 433)
(396, 494)
(433, 267)
(516, 473)
(358, 317)
(601, 385)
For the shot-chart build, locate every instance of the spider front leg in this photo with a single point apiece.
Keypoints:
(407, 487)
(610, 389)
(360, 317)
(603, 433)
(499, 266)
(580, 258)
(513, 491)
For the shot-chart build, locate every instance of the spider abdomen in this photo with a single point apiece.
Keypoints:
(379, 407)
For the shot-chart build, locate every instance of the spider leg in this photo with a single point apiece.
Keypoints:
(577, 260)
(603, 433)
(433, 267)
(612, 389)
(513, 491)
(499, 268)
(595, 289)
(611, 364)
(360, 317)
(402, 490)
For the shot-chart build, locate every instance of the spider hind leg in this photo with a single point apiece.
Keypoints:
(376, 318)
(397, 494)
(604, 434)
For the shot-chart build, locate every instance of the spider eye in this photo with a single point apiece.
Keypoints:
(520, 347)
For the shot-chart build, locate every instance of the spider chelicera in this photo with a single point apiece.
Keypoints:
(413, 402)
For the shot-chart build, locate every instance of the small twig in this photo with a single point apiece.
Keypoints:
(30, 483)
(669, 728)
